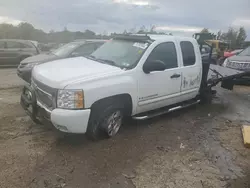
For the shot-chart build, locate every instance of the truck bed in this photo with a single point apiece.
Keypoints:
(218, 73)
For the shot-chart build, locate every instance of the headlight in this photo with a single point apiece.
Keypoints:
(225, 63)
(70, 99)
(31, 65)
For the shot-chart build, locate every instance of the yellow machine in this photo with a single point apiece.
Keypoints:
(219, 46)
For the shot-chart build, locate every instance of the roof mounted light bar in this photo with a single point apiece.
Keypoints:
(133, 37)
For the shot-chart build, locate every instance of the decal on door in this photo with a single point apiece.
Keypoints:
(195, 81)
(191, 81)
(185, 82)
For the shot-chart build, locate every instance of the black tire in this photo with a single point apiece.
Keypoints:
(100, 115)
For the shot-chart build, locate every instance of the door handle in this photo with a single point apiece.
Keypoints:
(175, 76)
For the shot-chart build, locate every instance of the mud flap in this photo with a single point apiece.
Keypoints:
(228, 84)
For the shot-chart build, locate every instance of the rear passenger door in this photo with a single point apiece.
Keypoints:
(160, 88)
(191, 69)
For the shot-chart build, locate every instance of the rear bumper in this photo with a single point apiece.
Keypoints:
(70, 121)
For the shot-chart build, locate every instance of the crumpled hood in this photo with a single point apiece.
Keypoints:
(239, 58)
(41, 58)
(60, 73)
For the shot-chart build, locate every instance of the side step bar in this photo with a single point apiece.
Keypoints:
(164, 111)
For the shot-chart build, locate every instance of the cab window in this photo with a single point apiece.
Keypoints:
(13, 44)
(188, 54)
(165, 52)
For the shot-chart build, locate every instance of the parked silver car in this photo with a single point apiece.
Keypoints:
(241, 62)
(13, 51)
(73, 49)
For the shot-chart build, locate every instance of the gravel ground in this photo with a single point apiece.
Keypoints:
(9, 78)
(199, 147)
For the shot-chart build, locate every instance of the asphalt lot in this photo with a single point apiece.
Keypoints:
(199, 147)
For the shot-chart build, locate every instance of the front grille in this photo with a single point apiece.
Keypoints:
(44, 94)
(238, 65)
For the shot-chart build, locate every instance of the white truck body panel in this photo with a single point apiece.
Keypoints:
(147, 91)
(60, 73)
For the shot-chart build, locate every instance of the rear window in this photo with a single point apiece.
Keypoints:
(13, 44)
(22, 45)
(2, 44)
(188, 54)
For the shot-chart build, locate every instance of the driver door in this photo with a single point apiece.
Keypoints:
(160, 88)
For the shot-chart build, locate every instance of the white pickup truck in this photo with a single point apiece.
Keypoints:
(131, 75)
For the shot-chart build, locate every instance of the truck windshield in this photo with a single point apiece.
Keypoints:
(65, 49)
(245, 52)
(120, 53)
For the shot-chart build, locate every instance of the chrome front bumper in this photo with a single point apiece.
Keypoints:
(71, 121)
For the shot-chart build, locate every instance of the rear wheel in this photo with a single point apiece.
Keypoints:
(105, 121)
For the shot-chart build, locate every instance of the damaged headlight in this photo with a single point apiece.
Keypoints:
(225, 63)
(70, 99)
(31, 65)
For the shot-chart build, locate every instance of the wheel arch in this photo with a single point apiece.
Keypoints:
(125, 99)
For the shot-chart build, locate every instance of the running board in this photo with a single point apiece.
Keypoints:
(164, 111)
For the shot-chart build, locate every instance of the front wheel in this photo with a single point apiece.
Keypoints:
(113, 122)
(105, 122)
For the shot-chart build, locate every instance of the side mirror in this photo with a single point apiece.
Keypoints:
(153, 65)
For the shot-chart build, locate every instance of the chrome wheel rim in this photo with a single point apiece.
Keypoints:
(114, 123)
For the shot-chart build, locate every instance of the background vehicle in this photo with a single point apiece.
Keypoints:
(205, 52)
(219, 46)
(227, 54)
(240, 62)
(232, 53)
(73, 49)
(138, 76)
(208, 41)
(13, 51)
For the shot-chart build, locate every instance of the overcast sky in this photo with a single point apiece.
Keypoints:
(181, 17)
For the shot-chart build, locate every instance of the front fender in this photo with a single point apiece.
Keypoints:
(107, 87)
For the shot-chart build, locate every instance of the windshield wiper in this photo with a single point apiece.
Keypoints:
(90, 57)
(105, 61)
(110, 62)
